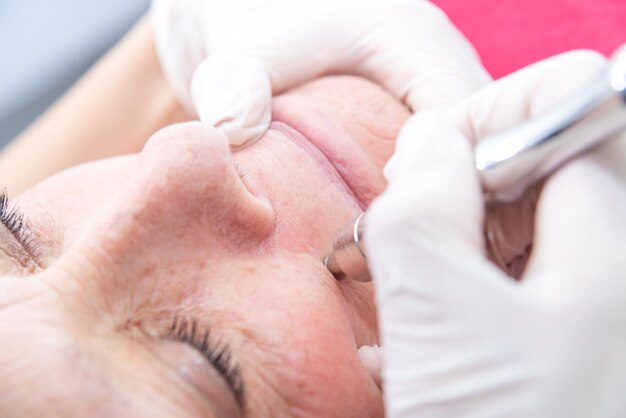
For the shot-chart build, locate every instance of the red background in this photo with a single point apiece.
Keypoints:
(510, 34)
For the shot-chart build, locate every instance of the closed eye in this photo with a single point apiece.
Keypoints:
(15, 223)
(219, 355)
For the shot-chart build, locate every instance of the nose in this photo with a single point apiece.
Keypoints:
(184, 211)
(186, 181)
(184, 200)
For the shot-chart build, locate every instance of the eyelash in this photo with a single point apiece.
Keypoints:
(190, 332)
(14, 221)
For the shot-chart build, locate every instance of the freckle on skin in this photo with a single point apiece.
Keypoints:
(147, 271)
(250, 270)
(201, 264)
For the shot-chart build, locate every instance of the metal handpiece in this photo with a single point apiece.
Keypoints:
(349, 255)
(510, 161)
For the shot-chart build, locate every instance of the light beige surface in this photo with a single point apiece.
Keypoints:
(111, 111)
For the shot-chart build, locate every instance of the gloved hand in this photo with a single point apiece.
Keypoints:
(462, 339)
(225, 58)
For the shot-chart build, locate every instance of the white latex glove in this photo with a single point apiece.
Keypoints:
(461, 338)
(225, 58)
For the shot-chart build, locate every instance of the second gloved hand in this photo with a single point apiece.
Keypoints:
(461, 338)
(226, 58)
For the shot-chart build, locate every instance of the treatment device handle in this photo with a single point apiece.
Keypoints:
(512, 160)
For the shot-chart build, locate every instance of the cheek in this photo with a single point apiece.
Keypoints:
(314, 355)
(301, 341)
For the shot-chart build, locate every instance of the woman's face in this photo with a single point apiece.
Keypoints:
(188, 280)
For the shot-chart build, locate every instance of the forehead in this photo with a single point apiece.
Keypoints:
(37, 352)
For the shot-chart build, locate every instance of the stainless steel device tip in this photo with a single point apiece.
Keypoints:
(331, 265)
(349, 258)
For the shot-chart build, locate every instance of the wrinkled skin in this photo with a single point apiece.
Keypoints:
(123, 248)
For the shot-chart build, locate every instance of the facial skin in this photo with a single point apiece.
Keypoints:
(124, 248)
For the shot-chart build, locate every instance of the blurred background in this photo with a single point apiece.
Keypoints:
(46, 45)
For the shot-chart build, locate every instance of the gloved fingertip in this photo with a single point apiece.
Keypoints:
(433, 188)
(234, 94)
(241, 137)
(390, 168)
(444, 89)
(372, 359)
(428, 145)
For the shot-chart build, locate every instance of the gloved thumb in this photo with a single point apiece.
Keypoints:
(234, 94)
(435, 289)
(371, 357)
